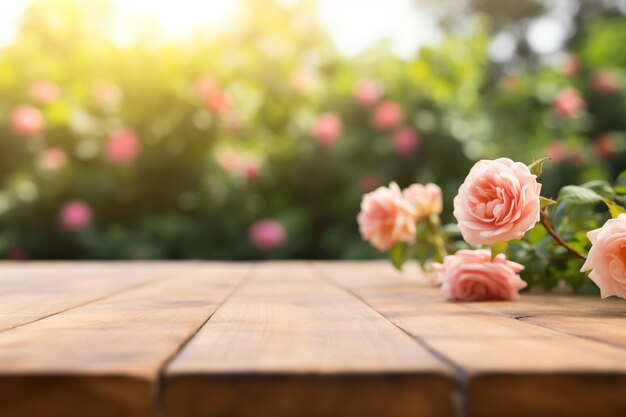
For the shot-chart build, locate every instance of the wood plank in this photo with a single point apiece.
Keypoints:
(102, 359)
(38, 291)
(605, 328)
(289, 343)
(509, 367)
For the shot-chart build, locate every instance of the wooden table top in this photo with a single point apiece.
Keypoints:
(295, 339)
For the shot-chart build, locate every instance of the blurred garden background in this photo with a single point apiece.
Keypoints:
(249, 129)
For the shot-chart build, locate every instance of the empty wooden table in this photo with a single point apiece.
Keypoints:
(295, 339)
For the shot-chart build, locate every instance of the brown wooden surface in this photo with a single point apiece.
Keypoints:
(295, 338)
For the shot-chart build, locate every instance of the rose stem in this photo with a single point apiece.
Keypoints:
(435, 227)
(543, 218)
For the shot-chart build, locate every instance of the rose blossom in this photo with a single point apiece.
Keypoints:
(267, 234)
(603, 146)
(570, 65)
(75, 215)
(44, 92)
(387, 115)
(386, 217)
(367, 93)
(326, 129)
(405, 141)
(471, 275)
(27, 120)
(607, 258)
(426, 199)
(498, 201)
(123, 147)
(53, 159)
(605, 81)
(568, 103)
(557, 150)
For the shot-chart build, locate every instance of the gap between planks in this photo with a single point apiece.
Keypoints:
(499, 354)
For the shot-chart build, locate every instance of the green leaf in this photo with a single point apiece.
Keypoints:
(614, 208)
(498, 248)
(396, 255)
(603, 188)
(575, 194)
(537, 166)
(546, 202)
(620, 183)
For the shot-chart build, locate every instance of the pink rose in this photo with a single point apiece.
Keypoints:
(252, 169)
(387, 115)
(44, 92)
(405, 141)
(607, 258)
(570, 65)
(498, 201)
(386, 218)
(604, 146)
(471, 275)
(557, 151)
(27, 120)
(326, 129)
(123, 147)
(367, 93)
(75, 215)
(605, 81)
(426, 199)
(216, 99)
(106, 95)
(301, 81)
(267, 234)
(53, 159)
(229, 160)
(568, 103)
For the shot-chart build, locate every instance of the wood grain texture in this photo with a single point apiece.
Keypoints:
(38, 291)
(289, 343)
(102, 359)
(509, 367)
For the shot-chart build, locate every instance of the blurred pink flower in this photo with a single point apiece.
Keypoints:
(106, 95)
(604, 146)
(53, 159)
(568, 103)
(326, 129)
(17, 254)
(405, 141)
(27, 120)
(557, 151)
(75, 215)
(367, 93)
(605, 81)
(44, 92)
(570, 65)
(267, 234)
(229, 160)
(387, 115)
(368, 182)
(252, 169)
(209, 91)
(301, 81)
(122, 147)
